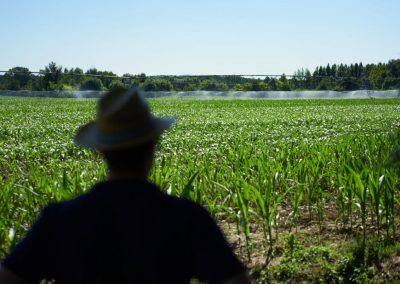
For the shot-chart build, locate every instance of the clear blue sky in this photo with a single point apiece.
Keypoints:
(197, 37)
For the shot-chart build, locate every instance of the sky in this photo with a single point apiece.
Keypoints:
(177, 37)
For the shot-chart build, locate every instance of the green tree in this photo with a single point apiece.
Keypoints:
(106, 77)
(73, 77)
(17, 77)
(283, 84)
(157, 85)
(377, 76)
(128, 79)
(348, 84)
(273, 84)
(393, 68)
(12, 84)
(189, 87)
(334, 70)
(116, 84)
(141, 77)
(238, 87)
(255, 85)
(92, 84)
(328, 70)
(324, 84)
(307, 79)
(211, 85)
(51, 76)
(391, 83)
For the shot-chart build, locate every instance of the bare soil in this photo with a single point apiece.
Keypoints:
(330, 232)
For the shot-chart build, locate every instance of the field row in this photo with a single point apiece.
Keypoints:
(270, 163)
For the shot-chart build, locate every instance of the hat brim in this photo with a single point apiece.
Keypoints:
(89, 136)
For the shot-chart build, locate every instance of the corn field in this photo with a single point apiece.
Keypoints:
(270, 164)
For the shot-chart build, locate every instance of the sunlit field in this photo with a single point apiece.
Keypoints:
(281, 177)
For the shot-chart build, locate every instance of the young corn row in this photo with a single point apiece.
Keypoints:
(274, 164)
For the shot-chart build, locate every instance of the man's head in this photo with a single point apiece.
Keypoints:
(136, 159)
(124, 130)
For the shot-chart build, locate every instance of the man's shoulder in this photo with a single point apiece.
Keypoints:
(105, 195)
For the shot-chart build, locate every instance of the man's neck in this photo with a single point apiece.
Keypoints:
(127, 175)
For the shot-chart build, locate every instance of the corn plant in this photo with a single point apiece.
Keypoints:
(223, 154)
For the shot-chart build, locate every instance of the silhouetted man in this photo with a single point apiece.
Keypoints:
(123, 230)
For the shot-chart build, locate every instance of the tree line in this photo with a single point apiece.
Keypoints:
(337, 77)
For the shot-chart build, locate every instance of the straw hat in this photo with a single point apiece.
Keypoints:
(123, 120)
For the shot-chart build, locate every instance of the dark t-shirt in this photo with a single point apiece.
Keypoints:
(124, 231)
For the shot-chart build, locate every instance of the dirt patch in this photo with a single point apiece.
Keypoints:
(330, 232)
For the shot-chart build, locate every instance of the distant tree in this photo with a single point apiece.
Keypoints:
(392, 80)
(157, 85)
(92, 84)
(283, 84)
(377, 76)
(29, 86)
(273, 84)
(74, 77)
(307, 79)
(328, 70)
(128, 79)
(186, 83)
(347, 84)
(341, 71)
(321, 71)
(255, 85)
(116, 84)
(391, 83)
(92, 71)
(233, 80)
(238, 87)
(17, 78)
(355, 70)
(12, 84)
(51, 75)
(361, 70)
(148, 86)
(189, 87)
(210, 85)
(334, 70)
(324, 84)
(336, 77)
(296, 83)
(141, 77)
(393, 68)
(106, 77)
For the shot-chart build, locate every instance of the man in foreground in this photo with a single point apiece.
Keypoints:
(124, 230)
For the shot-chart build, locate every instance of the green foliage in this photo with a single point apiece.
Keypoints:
(395, 160)
(157, 85)
(377, 76)
(244, 160)
(301, 263)
(331, 77)
(116, 84)
(357, 266)
(51, 76)
(93, 84)
(209, 85)
(254, 85)
(283, 84)
(17, 78)
(251, 158)
(324, 84)
(106, 77)
(12, 85)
